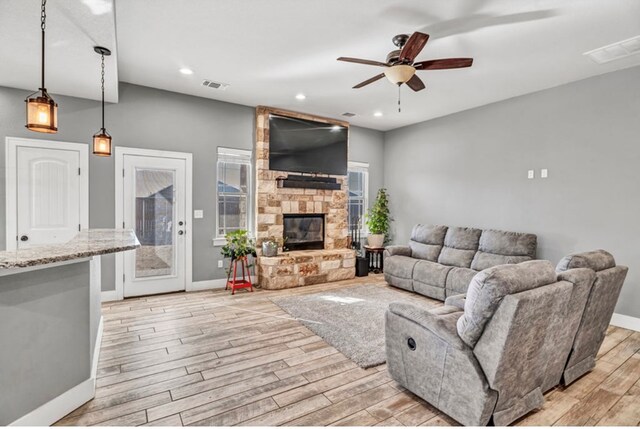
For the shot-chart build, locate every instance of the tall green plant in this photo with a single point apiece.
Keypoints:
(378, 218)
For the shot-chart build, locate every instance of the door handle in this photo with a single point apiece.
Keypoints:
(181, 223)
(180, 232)
(24, 238)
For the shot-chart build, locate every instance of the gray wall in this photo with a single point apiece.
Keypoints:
(154, 119)
(470, 169)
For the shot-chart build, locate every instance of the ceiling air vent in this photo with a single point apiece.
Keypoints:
(349, 114)
(215, 85)
(615, 51)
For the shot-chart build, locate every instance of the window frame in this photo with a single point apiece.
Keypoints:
(360, 167)
(237, 156)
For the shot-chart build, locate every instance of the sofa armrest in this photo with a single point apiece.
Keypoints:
(397, 250)
(456, 300)
(441, 326)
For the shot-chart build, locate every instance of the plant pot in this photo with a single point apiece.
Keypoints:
(269, 249)
(375, 240)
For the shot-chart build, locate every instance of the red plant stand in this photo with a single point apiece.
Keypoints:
(236, 283)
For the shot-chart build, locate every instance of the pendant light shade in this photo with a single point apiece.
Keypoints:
(102, 143)
(102, 139)
(42, 111)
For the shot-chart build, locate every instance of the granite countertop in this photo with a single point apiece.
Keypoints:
(87, 243)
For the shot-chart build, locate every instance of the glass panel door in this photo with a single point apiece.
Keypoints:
(154, 222)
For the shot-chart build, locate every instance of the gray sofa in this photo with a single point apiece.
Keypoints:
(598, 308)
(519, 331)
(440, 261)
(484, 360)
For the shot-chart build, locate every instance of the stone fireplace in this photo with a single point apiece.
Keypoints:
(304, 231)
(314, 219)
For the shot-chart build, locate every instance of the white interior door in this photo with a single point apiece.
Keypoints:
(46, 192)
(155, 207)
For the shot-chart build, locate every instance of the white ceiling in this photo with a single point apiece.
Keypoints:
(270, 50)
(74, 27)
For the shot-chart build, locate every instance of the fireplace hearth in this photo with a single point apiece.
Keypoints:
(304, 231)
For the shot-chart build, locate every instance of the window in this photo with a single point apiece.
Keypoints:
(358, 194)
(233, 191)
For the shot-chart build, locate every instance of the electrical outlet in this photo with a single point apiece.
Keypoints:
(220, 264)
(198, 214)
(544, 173)
(531, 174)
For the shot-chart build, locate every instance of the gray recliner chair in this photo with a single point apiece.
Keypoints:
(482, 358)
(598, 310)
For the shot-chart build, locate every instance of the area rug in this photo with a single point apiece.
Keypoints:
(351, 319)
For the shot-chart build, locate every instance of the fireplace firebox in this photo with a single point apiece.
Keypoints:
(304, 231)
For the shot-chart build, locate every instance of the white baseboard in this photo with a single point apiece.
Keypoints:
(208, 284)
(109, 295)
(96, 352)
(60, 406)
(626, 322)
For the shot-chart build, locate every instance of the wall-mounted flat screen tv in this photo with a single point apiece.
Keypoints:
(303, 146)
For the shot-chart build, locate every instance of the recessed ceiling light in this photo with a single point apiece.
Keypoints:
(186, 71)
(300, 96)
(377, 114)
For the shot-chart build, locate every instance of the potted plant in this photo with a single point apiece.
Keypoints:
(378, 220)
(270, 246)
(238, 245)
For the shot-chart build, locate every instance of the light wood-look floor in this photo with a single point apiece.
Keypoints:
(207, 358)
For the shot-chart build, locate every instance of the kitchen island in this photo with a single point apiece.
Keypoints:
(51, 325)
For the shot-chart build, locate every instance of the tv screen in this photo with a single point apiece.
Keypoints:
(303, 146)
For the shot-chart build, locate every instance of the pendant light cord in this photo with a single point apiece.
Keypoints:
(102, 87)
(43, 24)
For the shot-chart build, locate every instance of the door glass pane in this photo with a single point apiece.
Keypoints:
(154, 222)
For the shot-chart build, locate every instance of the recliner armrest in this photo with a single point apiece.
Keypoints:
(456, 300)
(397, 250)
(438, 324)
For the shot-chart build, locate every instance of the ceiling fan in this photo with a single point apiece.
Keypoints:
(400, 66)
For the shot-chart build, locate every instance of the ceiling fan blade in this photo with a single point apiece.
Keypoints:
(360, 61)
(446, 63)
(413, 47)
(415, 83)
(368, 81)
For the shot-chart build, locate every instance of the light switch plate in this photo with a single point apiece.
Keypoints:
(198, 214)
(530, 174)
(220, 264)
(544, 173)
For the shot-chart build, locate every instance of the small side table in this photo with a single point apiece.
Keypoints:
(375, 257)
(236, 283)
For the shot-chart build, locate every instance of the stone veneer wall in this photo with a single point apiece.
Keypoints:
(336, 261)
(273, 202)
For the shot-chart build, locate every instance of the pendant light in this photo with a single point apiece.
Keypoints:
(42, 111)
(102, 139)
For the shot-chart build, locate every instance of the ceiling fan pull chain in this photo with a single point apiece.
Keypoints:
(399, 106)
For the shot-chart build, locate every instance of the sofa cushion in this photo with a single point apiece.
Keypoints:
(462, 238)
(426, 241)
(508, 243)
(400, 266)
(597, 260)
(458, 280)
(482, 261)
(456, 257)
(428, 252)
(431, 273)
(429, 234)
(489, 287)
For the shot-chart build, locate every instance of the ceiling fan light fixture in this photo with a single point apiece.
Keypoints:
(400, 73)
